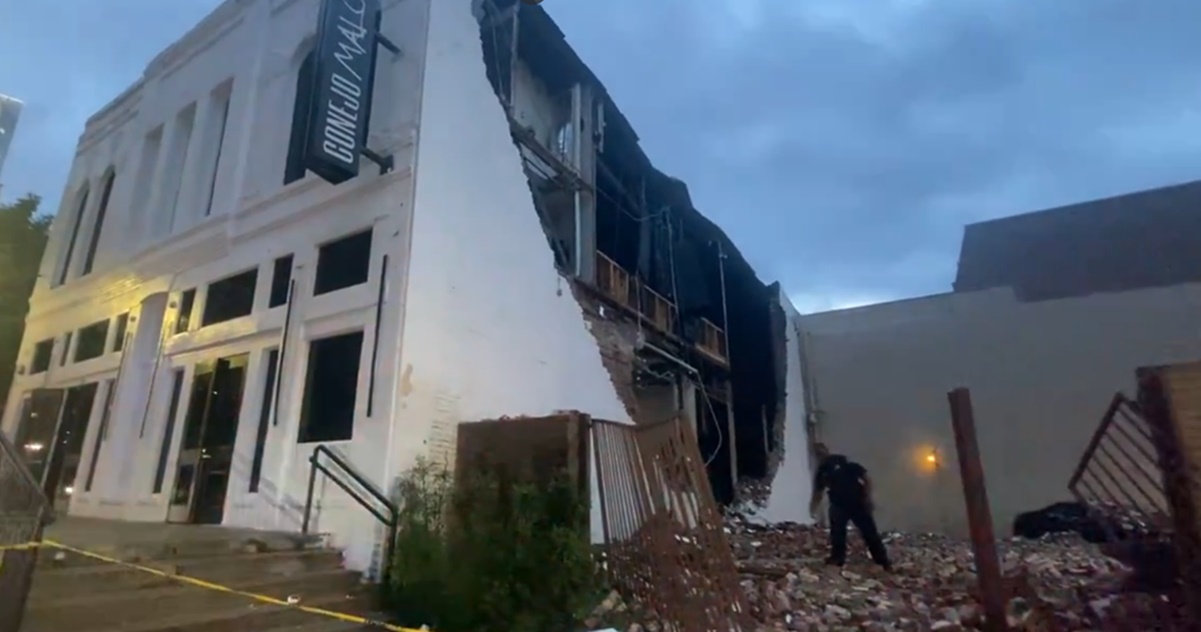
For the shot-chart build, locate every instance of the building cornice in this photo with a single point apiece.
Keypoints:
(227, 16)
(196, 246)
(195, 49)
(200, 36)
(318, 204)
(97, 132)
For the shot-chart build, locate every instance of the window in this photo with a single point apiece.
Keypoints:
(151, 148)
(565, 141)
(177, 161)
(343, 263)
(256, 466)
(62, 360)
(281, 277)
(220, 98)
(76, 220)
(230, 298)
(101, 434)
(43, 352)
(119, 335)
(89, 257)
(330, 385)
(186, 301)
(92, 340)
(160, 471)
(294, 167)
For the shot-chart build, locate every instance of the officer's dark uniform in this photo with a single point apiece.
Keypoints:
(843, 481)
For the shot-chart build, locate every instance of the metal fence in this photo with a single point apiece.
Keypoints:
(1119, 474)
(665, 544)
(1138, 476)
(23, 513)
(1170, 399)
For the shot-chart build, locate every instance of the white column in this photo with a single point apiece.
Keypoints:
(129, 406)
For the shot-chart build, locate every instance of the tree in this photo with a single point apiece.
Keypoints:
(23, 237)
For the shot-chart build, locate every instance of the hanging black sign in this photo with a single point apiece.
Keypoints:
(343, 82)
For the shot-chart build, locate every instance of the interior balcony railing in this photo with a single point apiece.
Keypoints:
(652, 307)
(712, 342)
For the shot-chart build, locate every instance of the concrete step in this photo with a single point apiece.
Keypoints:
(122, 609)
(264, 618)
(237, 614)
(197, 544)
(328, 625)
(73, 591)
(51, 583)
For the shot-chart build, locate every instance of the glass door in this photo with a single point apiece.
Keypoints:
(35, 431)
(210, 428)
(180, 509)
(59, 479)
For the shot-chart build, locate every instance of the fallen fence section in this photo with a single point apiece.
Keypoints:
(665, 543)
(1139, 477)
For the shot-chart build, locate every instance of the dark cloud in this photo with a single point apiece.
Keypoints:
(842, 143)
(66, 59)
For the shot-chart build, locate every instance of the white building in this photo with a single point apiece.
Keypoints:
(10, 112)
(214, 312)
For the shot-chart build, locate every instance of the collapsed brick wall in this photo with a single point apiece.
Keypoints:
(616, 338)
(529, 449)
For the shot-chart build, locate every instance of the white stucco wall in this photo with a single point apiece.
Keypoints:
(476, 322)
(255, 218)
(1041, 376)
(490, 328)
(792, 487)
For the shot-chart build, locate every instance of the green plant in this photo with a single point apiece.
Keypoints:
(419, 558)
(23, 236)
(490, 554)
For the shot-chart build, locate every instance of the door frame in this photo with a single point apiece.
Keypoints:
(181, 513)
(53, 458)
(194, 457)
(20, 431)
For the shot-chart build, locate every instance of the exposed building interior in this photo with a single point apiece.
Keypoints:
(684, 325)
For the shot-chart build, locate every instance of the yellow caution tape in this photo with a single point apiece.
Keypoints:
(20, 547)
(200, 583)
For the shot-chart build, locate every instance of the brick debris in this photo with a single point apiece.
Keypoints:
(1058, 582)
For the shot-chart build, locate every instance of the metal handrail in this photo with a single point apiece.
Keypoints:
(392, 518)
(16, 573)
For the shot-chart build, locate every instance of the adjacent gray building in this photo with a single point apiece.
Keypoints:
(1051, 313)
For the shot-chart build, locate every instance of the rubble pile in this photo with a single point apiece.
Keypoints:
(753, 495)
(1055, 583)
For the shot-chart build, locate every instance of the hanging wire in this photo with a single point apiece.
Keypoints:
(716, 425)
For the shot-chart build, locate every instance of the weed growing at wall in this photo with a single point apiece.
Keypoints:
(488, 554)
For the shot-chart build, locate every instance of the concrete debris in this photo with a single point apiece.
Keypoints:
(1058, 583)
(1055, 583)
(753, 496)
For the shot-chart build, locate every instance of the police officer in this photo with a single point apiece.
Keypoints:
(850, 491)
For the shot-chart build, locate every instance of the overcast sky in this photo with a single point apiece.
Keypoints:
(842, 143)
